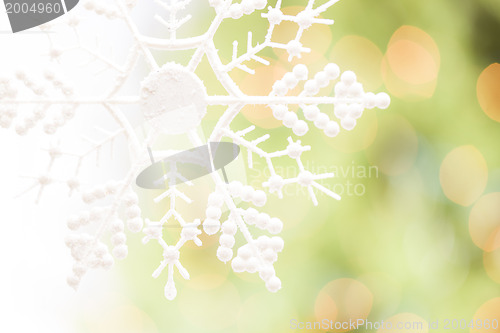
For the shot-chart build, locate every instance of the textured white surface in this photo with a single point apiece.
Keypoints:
(173, 99)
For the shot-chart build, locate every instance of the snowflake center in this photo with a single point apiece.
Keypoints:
(173, 99)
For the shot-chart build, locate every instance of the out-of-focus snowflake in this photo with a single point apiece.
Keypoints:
(174, 101)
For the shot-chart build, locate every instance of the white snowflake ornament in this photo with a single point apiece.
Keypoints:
(174, 100)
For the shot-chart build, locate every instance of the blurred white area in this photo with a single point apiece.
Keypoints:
(34, 296)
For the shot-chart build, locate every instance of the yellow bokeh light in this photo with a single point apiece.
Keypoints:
(362, 56)
(491, 261)
(488, 91)
(484, 222)
(213, 309)
(264, 312)
(318, 37)
(463, 175)
(343, 300)
(124, 319)
(419, 36)
(260, 84)
(404, 90)
(405, 323)
(286, 30)
(395, 148)
(411, 64)
(386, 290)
(487, 313)
(315, 61)
(325, 307)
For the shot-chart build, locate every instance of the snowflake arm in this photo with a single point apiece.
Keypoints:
(173, 24)
(304, 19)
(171, 254)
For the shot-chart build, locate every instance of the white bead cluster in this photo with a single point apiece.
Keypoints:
(321, 79)
(192, 232)
(171, 254)
(311, 87)
(89, 252)
(73, 183)
(130, 202)
(281, 88)
(132, 212)
(29, 122)
(29, 83)
(263, 221)
(66, 113)
(7, 113)
(72, 20)
(294, 49)
(44, 179)
(74, 222)
(118, 238)
(39, 112)
(227, 240)
(245, 261)
(7, 90)
(99, 192)
(213, 213)
(305, 19)
(305, 178)
(265, 248)
(247, 193)
(295, 148)
(275, 184)
(274, 16)
(352, 100)
(246, 7)
(152, 231)
(87, 255)
(312, 112)
(290, 80)
(95, 216)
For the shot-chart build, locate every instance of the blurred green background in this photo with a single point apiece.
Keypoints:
(416, 236)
